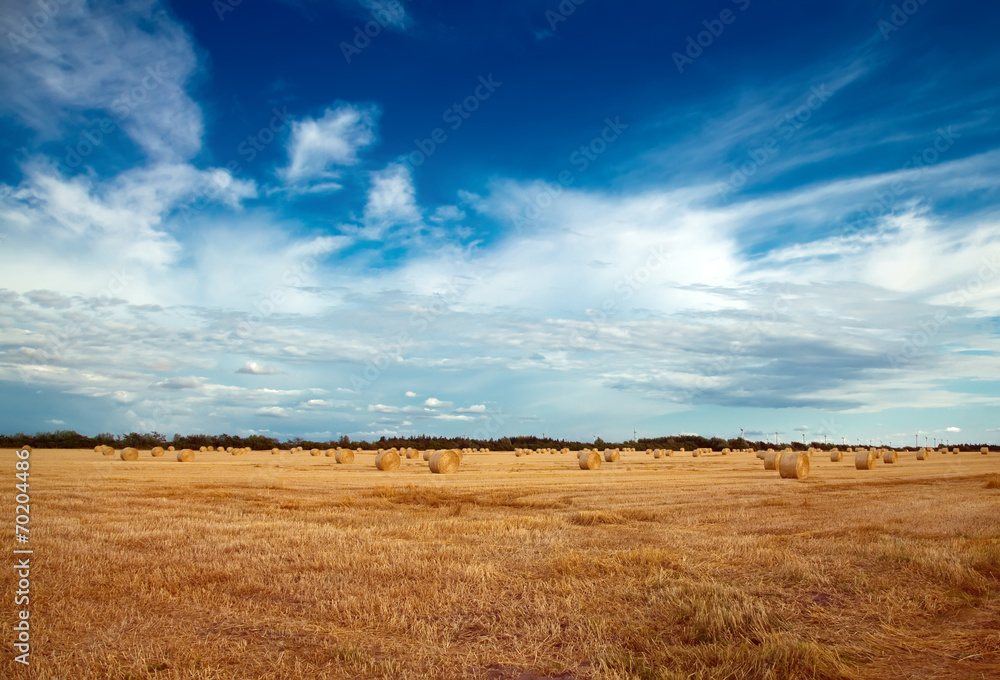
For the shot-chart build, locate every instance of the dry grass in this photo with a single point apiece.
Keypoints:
(285, 566)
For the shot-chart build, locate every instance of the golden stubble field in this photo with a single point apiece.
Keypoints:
(288, 566)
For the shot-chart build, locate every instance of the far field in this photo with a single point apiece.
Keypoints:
(289, 566)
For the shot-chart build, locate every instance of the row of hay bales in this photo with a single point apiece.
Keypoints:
(795, 464)
(130, 453)
(445, 461)
(528, 452)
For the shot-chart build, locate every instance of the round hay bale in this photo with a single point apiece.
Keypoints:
(344, 456)
(130, 453)
(922, 454)
(426, 455)
(725, 452)
(275, 451)
(611, 456)
(794, 465)
(772, 459)
(889, 457)
(657, 453)
(314, 452)
(387, 461)
(99, 449)
(412, 453)
(185, 456)
(157, 451)
(591, 460)
(836, 456)
(955, 451)
(696, 453)
(864, 460)
(107, 450)
(984, 450)
(445, 462)
(170, 448)
(330, 453)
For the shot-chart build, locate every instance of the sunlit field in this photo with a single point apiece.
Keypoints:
(292, 566)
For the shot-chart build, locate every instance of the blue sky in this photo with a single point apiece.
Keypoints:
(318, 218)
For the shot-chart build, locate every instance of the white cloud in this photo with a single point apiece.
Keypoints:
(392, 197)
(952, 429)
(79, 220)
(254, 368)
(410, 394)
(317, 147)
(179, 384)
(273, 412)
(390, 13)
(475, 408)
(448, 213)
(433, 402)
(130, 62)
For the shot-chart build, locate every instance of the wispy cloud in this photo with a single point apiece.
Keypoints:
(319, 147)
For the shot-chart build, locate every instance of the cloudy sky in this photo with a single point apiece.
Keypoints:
(329, 217)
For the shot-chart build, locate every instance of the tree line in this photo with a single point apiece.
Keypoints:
(70, 439)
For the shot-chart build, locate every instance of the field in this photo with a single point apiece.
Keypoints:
(289, 566)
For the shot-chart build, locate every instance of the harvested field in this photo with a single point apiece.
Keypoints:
(289, 566)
